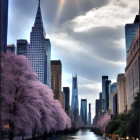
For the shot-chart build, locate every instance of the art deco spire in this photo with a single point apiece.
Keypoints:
(38, 20)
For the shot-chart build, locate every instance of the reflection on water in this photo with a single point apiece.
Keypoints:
(81, 135)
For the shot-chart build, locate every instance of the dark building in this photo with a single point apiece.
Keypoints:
(84, 110)
(22, 47)
(66, 91)
(10, 48)
(107, 93)
(104, 78)
(4, 24)
(89, 115)
(115, 105)
(100, 97)
(130, 31)
(97, 105)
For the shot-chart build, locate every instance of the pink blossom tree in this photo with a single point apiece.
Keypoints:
(102, 122)
(27, 104)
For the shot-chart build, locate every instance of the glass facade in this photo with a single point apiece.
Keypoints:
(84, 110)
(130, 31)
(22, 47)
(48, 48)
(104, 78)
(113, 88)
(37, 51)
(4, 24)
(66, 91)
(100, 97)
(107, 93)
(74, 101)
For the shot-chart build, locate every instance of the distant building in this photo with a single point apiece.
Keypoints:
(74, 98)
(89, 115)
(4, 24)
(120, 96)
(107, 93)
(66, 91)
(104, 78)
(10, 48)
(132, 70)
(56, 77)
(22, 47)
(69, 113)
(130, 31)
(63, 99)
(84, 110)
(97, 106)
(112, 90)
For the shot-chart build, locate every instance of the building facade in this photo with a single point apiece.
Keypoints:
(56, 78)
(130, 31)
(4, 24)
(84, 110)
(22, 47)
(37, 52)
(10, 48)
(48, 48)
(89, 115)
(97, 106)
(112, 90)
(107, 93)
(115, 105)
(104, 78)
(66, 91)
(120, 94)
(74, 98)
(132, 70)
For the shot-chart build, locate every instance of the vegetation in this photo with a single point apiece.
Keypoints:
(125, 124)
(97, 131)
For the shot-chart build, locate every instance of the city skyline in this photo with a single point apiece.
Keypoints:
(66, 36)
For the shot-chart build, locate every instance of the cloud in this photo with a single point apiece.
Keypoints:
(106, 16)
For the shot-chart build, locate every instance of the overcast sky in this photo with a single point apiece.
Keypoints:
(88, 36)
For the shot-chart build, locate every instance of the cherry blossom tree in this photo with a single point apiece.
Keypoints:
(27, 105)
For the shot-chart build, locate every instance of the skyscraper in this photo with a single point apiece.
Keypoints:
(10, 48)
(56, 76)
(66, 91)
(84, 110)
(4, 24)
(89, 115)
(22, 47)
(107, 93)
(104, 78)
(37, 52)
(97, 106)
(74, 99)
(130, 31)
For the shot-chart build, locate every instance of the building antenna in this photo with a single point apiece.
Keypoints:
(38, 3)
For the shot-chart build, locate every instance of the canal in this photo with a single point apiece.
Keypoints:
(85, 134)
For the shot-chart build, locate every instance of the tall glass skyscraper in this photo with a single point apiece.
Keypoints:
(39, 50)
(66, 91)
(104, 78)
(74, 98)
(107, 93)
(84, 110)
(130, 31)
(89, 115)
(4, 24)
